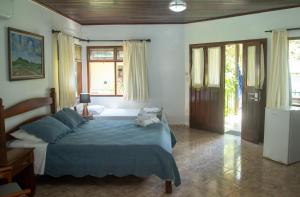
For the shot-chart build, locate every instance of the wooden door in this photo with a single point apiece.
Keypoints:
(254, 91)
(207, 103)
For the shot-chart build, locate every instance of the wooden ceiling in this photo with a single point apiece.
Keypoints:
(99, 12)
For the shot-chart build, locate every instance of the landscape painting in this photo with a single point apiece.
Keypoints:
(25, 55)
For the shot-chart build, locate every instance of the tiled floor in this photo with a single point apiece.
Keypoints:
(233, 122)
(210, 165)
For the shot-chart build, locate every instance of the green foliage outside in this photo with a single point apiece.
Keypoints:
(230, 80)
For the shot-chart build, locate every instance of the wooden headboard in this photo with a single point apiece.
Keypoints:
(20, 108)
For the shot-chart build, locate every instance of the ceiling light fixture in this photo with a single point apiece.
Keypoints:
(177, 5)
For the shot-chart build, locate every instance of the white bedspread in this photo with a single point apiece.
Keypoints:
(40, 150)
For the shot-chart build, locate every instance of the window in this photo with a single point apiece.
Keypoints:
(105, 71)
(294, 64)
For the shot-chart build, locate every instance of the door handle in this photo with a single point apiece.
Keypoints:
(254, 96)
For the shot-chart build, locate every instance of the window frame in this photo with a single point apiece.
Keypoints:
(115, 61)
(297, 103)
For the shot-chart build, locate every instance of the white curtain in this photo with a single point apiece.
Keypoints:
(63, 69)
(214, 67)
(135, 70)
(251, 74)
(255, 78)
(197, 68)
(262, 68)
(55, 67)
(278, 84)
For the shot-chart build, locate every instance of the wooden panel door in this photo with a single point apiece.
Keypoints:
(207, 103)
(254, 93)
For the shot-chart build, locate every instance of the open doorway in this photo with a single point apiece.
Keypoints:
(233, 89)
(240, 108)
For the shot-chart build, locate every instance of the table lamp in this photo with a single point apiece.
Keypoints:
(85, 99)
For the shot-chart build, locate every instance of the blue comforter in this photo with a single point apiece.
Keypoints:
(114, 147)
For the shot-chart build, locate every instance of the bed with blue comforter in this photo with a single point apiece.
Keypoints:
(114, 147)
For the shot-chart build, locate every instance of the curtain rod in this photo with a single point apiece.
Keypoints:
(289, 29)
(87, 40)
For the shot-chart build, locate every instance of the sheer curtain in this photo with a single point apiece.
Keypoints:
(63, 69)
(197, 68)
(214, 67)
(255, 78)
(262, 68)
(136, 72)
(251, 74)
(278, 84)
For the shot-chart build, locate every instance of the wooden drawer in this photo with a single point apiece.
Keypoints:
(22, 163)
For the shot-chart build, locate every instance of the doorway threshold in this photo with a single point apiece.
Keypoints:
(232, 132)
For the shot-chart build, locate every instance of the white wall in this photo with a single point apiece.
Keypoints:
(168, 51)
(29, 16)
(237, 28)
(165, 64)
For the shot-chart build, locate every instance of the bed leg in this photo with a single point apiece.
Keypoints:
(168, 187)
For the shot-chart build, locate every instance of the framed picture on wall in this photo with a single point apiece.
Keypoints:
(25, 55)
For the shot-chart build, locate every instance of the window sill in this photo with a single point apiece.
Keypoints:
(95, 95)
(295, 105)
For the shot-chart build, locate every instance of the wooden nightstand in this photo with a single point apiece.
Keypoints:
(88, 117)
(21, 162)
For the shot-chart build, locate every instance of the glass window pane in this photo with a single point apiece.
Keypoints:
(120, 54)
(197, 74)
(294, 64)
(214, 67)
(78, 53)
(120, 74)
(295, 79)
(101, 54)
(251, 66)
(294, 56)
(102, 78)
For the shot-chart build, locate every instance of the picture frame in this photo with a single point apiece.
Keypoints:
(25, 55)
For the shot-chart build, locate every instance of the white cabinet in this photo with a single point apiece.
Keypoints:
(282, 135)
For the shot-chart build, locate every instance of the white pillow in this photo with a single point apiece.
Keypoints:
(23, 135)
(95, 109)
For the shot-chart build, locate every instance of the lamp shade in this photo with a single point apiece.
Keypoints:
(84, 98)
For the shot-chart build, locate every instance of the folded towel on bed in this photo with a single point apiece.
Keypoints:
(146, 122)
(151, 109)
(146, 119)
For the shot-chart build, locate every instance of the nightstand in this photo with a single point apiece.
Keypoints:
(88, 117)
(21, 162)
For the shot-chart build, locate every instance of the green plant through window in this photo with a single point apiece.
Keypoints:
(231, 82)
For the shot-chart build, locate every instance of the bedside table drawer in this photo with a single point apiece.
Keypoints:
(22, 163)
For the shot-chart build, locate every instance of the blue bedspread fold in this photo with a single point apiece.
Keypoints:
(114, 147)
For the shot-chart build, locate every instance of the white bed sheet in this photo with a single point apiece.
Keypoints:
(40, 150)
